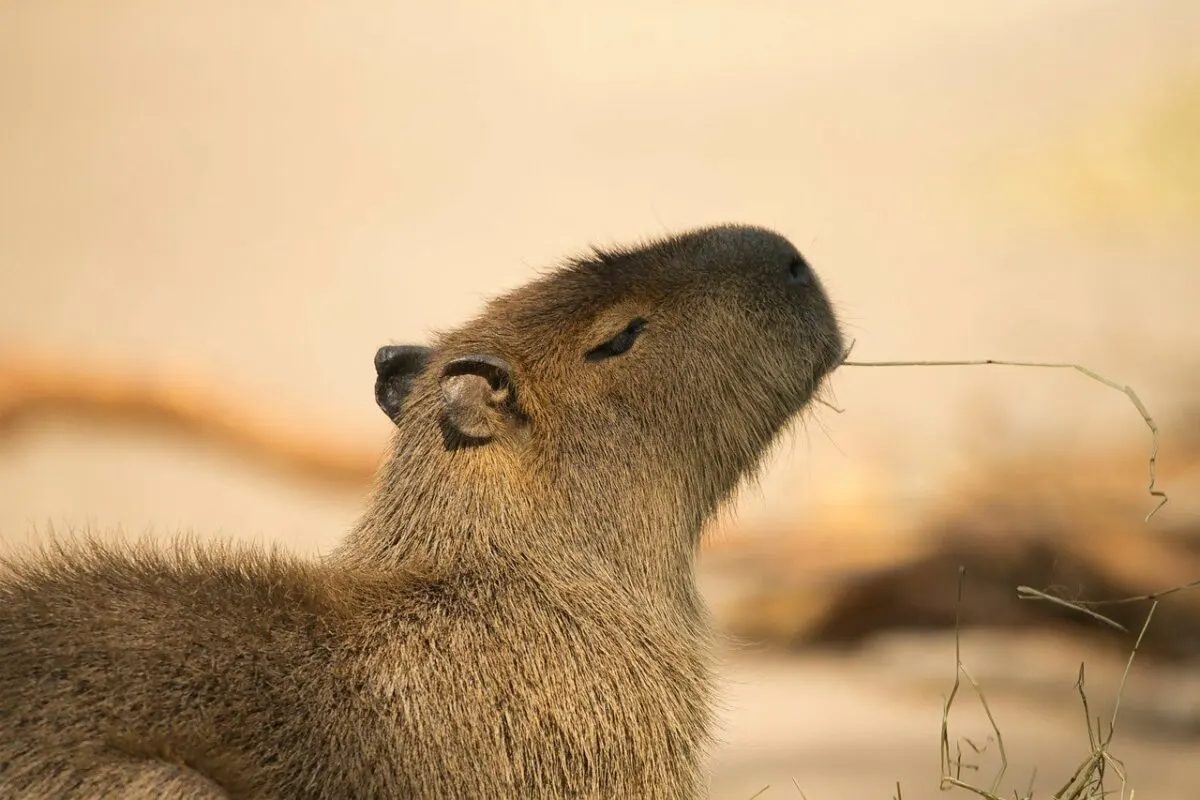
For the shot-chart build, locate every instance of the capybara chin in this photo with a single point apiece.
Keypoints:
(515, 615)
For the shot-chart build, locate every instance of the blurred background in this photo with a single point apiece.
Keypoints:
(211, 214)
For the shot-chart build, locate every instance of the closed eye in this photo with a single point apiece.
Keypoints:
(617, 344)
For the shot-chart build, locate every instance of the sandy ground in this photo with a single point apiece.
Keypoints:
(851, 724)
(261, 194)
(851, 727)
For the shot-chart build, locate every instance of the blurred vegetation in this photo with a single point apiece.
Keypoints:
(1135, 167)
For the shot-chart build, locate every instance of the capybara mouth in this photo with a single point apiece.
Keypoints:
(841, 354)
(832, 355)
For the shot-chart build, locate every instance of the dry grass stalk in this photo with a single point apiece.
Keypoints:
(1088, 781)
(1151, 487)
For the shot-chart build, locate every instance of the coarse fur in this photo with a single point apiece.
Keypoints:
(514, 615)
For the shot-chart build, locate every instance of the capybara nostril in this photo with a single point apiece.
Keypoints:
(798, 271)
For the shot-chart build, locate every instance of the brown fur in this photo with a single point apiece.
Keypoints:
(515, 615)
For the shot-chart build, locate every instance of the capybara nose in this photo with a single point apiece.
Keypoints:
(384, 357)
(763, 252)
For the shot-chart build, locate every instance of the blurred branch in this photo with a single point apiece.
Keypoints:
(29, 390)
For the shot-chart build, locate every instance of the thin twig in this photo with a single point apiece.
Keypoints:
(1160, 495)
(1152, 597)
(952, 768)
(1029, 593)
(1087, 713)
(1112, 725)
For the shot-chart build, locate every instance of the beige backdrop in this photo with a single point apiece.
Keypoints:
(260, 194)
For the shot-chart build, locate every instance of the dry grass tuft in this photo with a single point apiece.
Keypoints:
(1089, 781)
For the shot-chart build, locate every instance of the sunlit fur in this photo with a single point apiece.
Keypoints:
(516, 618)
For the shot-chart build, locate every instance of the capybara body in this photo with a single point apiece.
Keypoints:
(514, 615)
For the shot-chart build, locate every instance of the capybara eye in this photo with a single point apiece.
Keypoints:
(619, 343)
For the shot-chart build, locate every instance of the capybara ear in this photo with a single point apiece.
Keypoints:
(478, 393)
(396, 367)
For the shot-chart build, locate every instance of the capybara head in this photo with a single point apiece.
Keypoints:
(631, 381)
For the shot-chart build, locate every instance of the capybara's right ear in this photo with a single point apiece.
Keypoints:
(478, 394)
(396, 367)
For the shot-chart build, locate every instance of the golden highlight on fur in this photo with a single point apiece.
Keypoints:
(514, 615)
